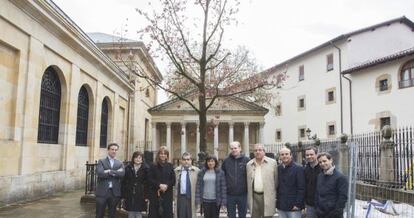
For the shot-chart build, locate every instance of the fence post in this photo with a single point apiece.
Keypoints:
(299, 157)
(343, 155)
(386, 172)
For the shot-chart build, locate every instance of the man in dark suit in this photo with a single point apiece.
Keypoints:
(108, 190)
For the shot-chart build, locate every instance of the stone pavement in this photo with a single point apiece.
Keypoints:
(59, 205)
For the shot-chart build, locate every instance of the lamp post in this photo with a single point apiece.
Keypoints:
(314, 137)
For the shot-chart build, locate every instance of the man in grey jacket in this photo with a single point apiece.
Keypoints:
(108, 190)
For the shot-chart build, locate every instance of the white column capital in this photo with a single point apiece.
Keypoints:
(168, 124)
(246, 124)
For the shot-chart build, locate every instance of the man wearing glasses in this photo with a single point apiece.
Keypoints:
(187, 180)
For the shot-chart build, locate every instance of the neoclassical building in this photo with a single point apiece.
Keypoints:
(63, 99)
(175, 125)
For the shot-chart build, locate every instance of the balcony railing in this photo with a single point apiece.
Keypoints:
(406, 83)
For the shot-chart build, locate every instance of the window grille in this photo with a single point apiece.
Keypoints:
(104, 124)
(49, 111)
(82, 118)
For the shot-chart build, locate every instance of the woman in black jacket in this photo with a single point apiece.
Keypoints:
(134, 186)
(161, 179)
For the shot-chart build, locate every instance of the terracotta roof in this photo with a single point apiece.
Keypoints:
(381, 60)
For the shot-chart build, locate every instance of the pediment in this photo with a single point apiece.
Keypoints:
(229, 104)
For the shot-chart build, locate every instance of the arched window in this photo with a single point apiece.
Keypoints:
(407, 75)
(104, 123)
(49, 111)
(82, 118)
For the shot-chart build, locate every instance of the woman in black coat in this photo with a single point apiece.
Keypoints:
(135, 185)
(161, 180)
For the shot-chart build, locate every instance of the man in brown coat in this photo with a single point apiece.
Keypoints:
(261, 184)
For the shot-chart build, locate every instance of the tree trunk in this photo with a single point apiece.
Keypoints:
(203, 124)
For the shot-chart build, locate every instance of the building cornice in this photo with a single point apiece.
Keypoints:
(337, 39)
(381, 60)
(143, 53)
(54, 20)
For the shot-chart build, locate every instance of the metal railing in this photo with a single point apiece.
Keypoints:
(368, 153)
(91, 178)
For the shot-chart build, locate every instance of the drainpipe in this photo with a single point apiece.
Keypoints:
(350, 104)
(340, 85)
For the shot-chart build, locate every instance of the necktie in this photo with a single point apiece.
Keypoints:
(188, 188)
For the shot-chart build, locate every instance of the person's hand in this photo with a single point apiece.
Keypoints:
(163, 187)
(107, 171)
(295, 208)
(120, 169)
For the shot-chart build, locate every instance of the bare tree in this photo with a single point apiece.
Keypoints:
(190, 34)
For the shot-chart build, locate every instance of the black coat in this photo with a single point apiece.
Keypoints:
(311, 174)
(291, 187)
(161, 174)
(235, 172)
(134, 188)
(331, 195)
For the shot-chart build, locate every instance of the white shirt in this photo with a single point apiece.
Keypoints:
(111, 162)
(183, 181)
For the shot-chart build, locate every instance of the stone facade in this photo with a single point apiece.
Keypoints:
(37, 36)
(175, 125)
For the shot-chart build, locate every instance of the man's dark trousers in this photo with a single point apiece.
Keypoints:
(240, 201)
(102, 201)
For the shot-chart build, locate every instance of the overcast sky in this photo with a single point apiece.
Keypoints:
(274, 30)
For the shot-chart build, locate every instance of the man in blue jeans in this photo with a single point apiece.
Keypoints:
(234, 167)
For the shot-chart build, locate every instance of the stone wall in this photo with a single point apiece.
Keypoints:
(38, 185)
(367, 192)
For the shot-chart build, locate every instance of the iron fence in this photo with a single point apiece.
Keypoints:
(91, 178)
(368, 153)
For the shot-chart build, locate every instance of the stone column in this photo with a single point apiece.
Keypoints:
(216, 140)
(197, 140)
(231, 135)
(231, 132)
(261, 132)
(387, 155)
(343, 157)
(246, 142)
(30, 109)
(96, 126)
(69, 148)
(183, 137)
(154, 136)
(168, 140)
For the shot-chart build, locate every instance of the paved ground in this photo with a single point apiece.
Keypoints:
(60, 205)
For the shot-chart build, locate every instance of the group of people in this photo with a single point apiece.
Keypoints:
(260, 184)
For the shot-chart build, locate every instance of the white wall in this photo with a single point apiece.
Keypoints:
(369, 105)
(378, 43)
(313, 87)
